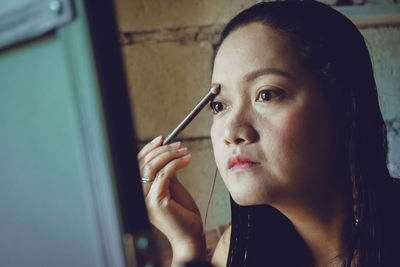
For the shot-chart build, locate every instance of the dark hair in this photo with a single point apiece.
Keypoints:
(333, 49)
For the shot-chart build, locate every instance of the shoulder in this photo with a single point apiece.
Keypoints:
(221, 251)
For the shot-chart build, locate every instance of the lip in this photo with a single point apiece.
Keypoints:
(240, 162)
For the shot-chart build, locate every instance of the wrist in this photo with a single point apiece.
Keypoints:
(186, 251)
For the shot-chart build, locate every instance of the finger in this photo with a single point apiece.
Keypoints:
(157, 151)
(160, 187)
(181, 195)
(148, 147)
(151, 168)
(146, 188)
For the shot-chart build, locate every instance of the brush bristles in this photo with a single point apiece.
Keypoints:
(215, 89)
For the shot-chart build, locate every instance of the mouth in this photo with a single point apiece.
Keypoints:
(237, 163)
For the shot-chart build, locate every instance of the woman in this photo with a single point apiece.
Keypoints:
(299, 141)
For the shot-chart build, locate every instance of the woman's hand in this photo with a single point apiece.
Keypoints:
(170, 207)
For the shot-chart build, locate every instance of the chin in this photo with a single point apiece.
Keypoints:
(249, 198)
(254, 190)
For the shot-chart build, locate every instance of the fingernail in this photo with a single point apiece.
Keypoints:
(188, 156)
(183, 149)
(175, 145)
(155, 140)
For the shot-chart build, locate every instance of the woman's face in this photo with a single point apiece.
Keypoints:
(272, 132)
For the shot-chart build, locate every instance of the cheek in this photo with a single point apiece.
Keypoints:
(304, 141)
(292, 129)
(217, 134)
(287, 143)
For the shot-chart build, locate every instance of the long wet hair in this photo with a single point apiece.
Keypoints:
(332, 48)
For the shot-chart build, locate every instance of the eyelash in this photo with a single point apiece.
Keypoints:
(213, 106)
(267, 92)
(272, 94)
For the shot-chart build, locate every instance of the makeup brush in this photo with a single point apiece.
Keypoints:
(209, 96)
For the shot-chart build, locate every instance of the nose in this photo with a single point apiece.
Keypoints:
(239, 130)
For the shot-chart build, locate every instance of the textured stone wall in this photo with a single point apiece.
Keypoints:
(384, 46)
(168, 47)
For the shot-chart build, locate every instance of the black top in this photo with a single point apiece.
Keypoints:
(389, 205)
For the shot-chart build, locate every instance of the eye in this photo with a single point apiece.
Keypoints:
(264, 95)
(267, 94)
(216, 107)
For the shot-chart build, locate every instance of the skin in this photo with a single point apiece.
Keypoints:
(221, 251)
(272, 114)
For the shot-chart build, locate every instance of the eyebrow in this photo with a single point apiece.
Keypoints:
(254, 74)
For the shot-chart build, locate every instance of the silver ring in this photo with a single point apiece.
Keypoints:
(146, 180)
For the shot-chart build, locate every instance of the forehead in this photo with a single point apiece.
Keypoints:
(252, 47)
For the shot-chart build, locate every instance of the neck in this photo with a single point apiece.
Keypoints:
(324, 221)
